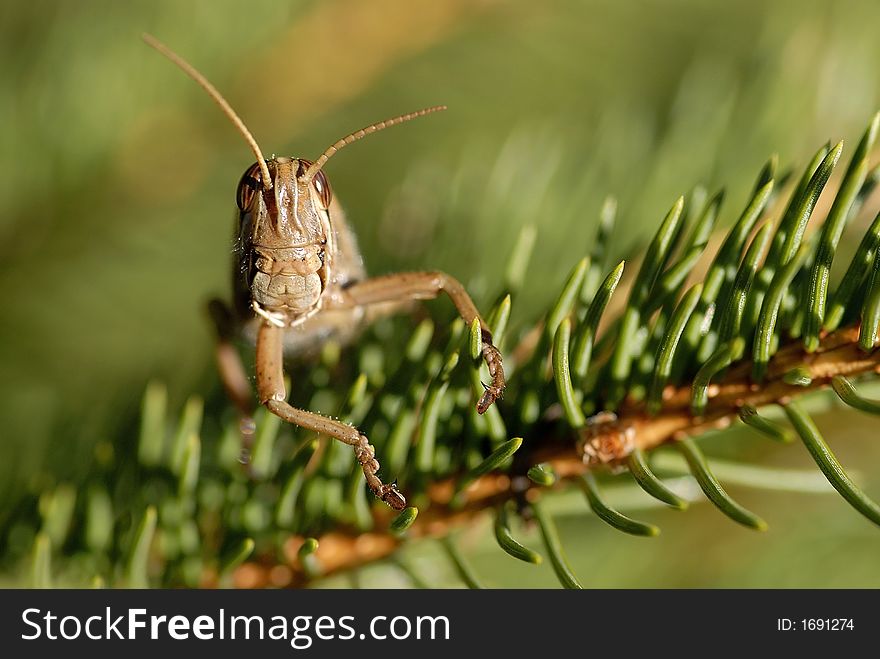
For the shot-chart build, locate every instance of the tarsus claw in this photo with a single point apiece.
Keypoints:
(489, 396)
(392, 496)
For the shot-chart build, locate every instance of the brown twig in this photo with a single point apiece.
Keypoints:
(838, 354)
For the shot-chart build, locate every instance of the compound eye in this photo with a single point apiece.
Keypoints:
(322, 187)
(248, 187)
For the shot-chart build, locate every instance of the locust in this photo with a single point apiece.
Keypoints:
(298, 281)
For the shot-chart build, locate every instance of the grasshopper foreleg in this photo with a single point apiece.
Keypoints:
(272, 394)
(427, 286)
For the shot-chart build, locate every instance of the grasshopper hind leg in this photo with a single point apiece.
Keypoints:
(233, 374)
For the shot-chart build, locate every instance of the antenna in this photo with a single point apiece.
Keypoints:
(363, 132)
(218, 98)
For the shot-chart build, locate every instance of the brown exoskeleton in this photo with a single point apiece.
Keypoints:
(299, 280)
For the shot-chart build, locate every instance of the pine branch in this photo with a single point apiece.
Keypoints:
(588, 394)
(838, 355)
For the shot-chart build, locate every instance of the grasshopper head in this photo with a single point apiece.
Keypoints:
(287, 237)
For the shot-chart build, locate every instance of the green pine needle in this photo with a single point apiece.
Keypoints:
(752, 418)
(554, 549)
(462, 567)
(650, 483)
(848, 394)
(610, 516)
(509, 544)
(829, 464)
(713, 490)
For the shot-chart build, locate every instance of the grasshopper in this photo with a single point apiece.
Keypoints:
(299, 280)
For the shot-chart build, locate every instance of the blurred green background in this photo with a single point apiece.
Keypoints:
(118, 181)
